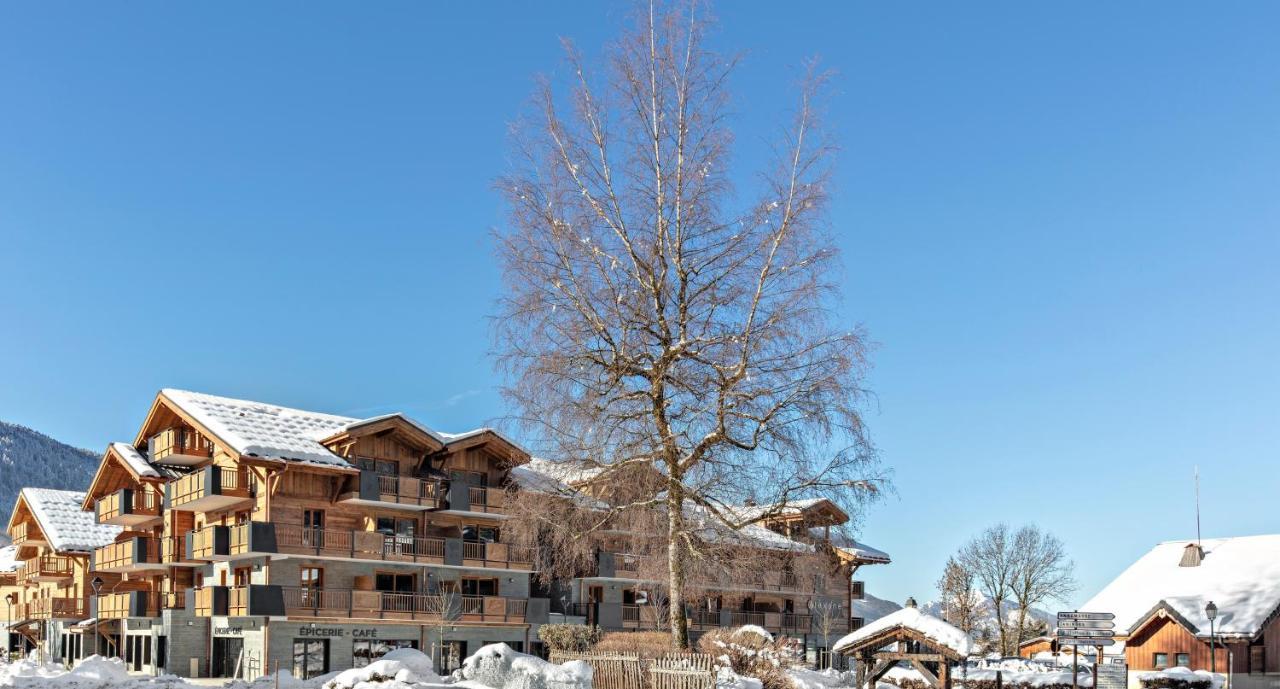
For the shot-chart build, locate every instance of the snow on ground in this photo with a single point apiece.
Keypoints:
(1185, 674)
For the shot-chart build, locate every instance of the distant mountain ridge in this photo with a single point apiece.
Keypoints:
(31, 458)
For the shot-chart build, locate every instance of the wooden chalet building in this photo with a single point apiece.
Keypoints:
(231, 535)
(1160, 606)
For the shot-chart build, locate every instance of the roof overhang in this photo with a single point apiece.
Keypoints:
(1159, 612)
(100, 486)
(403, 428)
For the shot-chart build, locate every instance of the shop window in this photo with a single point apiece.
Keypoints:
(365, 652)
(310, 658)
(1160, 661)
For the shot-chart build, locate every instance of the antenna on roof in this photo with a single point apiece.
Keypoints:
(1198, 506)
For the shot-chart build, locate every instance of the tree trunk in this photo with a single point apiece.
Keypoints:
(1017, 634)
(1000, 626)
(675, 563)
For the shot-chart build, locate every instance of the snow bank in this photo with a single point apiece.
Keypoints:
(1181, 676)
(96, 667)
(726, 678)
(804, 678)
(402, 668)
(497, 666)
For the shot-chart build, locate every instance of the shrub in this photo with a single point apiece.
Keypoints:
(646, 644)
(1166, 680)
(571, 638)
(753, 654)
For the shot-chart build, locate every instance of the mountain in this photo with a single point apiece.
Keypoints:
(31, 458)
(870, 608)
(986, 630)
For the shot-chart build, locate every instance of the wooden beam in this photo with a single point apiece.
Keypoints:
(928, 675)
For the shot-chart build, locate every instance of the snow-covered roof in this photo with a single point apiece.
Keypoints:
(67, 527)
(274, 432)
(564, 472)
(870, 608)
(795, 506)
(264, 430)
(1240, 575)
(8, 558)
(136, 461)
(862, 551)
(935, 629)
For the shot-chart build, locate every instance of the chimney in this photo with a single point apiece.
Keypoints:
(1192, 555)
(911, 602)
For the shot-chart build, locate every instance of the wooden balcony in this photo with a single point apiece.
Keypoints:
(239, 601)
(294, 539)
(497, 555)
(388, 490)
(179, 446)
(467, 498)
(174, 552)
(138, 603)
(137, 554)
(128, 507)
(209, 489)
(57, 608)
(55, 568)
(27, 533)
(211, 543)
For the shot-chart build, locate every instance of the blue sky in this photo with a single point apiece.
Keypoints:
(1059, 223)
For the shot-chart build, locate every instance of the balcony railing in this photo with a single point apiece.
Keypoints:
(182, 446)
(239, 601)
(132, 555)
(127, 507)
(26, 533)
(209, 543)
(173, 551)
(705, 618)
(137, 603)
(393, 490)
(46, 568)
(57, 608)
(483, 554)
(211, 488)
(493, 609)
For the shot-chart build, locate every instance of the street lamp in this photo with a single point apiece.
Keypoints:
(8, 630)
(96, 583)
(1211, 612)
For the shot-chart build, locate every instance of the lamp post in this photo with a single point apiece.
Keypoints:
(96, 583)
(1211, 612)
(8, 627)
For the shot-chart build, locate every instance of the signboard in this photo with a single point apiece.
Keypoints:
(1086, 624)
(1086, 640)
(1114, 675)
(1062, 616)
(1086, 633)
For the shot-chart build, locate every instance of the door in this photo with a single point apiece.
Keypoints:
(310, 658)
(226, 656)
(311, 582)
(313, 528)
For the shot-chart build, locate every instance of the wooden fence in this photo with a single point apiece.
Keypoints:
(630, 671)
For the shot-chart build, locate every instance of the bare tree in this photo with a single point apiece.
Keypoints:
(961, 604)
(830, 618)
(648, 328)
(990, 559)
(1041, 571)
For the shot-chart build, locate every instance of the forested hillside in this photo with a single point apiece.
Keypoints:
(30, 458)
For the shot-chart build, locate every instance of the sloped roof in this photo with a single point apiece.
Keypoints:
(274, 432)
(864, 552)
(1240, 575)
(935, 629)
(64, 523)
(136, 461)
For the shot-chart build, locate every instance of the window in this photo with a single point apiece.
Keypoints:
(365, 652)
(310, 658)
(311, 577)
(398, 583)
(391, 526)
(378, 466)
(478, 533)
(479, 587)
(1160, 661)
(241, 576)
(1183, 659)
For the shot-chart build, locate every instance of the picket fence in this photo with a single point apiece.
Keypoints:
(630, 671)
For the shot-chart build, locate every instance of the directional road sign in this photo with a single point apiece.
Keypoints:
(1086, 624)
(1087, 633)
(1086, 616)
(1079, 641)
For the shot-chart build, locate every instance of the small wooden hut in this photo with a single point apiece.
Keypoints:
(927, 643)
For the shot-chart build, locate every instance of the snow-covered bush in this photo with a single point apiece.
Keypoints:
(573, 638)
(1180, 678)
(399, 669)
(753, 652)
(646, 644)
(499, 667)
(985, 678)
